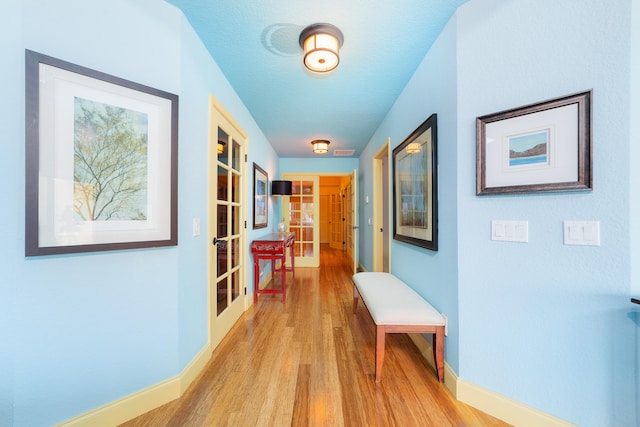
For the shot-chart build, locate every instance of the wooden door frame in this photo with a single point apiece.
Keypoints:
(216, 112)
(321, 174)
(379, 205)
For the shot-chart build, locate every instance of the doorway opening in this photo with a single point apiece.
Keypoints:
(322, 210)
(381, 216)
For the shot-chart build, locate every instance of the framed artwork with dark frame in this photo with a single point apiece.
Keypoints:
(101, 161)
(543, 147)
(415, 187)
(260, 197)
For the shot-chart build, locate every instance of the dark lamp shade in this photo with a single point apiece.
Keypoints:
(280, 188)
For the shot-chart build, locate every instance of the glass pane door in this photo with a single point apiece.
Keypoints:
(228, 221)
(226, 233)
(302, 214)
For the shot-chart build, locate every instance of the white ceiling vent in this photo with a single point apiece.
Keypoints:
(343, 153)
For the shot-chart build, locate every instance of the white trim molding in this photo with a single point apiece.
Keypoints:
(494, 404)
(135, 404)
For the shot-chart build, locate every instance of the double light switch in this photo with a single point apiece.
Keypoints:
(582, 233)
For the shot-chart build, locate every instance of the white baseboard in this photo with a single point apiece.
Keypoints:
(135, 404)
(129, 407)
(509, 411)
(494, 404)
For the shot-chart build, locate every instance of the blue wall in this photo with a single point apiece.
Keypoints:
(545, 324)
(11, 190)
(552, 317)
(431, 90)
(321, 164)
(86, 330)
(634, 195)
(556, 332)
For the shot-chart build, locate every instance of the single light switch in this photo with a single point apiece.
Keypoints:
(196, 227)
(575, 232)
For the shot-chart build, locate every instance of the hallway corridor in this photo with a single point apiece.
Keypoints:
(310, 362)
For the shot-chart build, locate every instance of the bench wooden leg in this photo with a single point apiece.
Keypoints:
(438, 352)
(356, 296)
(380, 342)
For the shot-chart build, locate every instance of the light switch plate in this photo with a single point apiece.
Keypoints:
(510, 231)
(196, 227)
(584, 233)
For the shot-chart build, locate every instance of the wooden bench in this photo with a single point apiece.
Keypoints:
(396, 308)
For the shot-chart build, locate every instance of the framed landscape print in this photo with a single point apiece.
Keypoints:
(544, 147)
(101, 161)
(415, 187)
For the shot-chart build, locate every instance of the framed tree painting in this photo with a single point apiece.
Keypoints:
(415, 187)
(101, 161)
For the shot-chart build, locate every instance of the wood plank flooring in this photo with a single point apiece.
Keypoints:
(310, 362)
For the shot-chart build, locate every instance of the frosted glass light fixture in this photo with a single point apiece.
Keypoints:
(320, 146)
(321, 44)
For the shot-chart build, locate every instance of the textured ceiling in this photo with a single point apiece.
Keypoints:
(255, 44)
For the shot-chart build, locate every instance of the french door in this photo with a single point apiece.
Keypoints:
(302, 215)
(226, 257)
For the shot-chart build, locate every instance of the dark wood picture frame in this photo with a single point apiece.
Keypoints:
(415, 187)
(542, 147)
(101, 161)
(260, 197)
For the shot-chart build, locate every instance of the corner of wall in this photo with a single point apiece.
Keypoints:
(507, 410)
(142, 401)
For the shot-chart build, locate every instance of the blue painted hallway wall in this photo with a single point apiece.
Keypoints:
(541, 323)
(81, 331)
(548, 325)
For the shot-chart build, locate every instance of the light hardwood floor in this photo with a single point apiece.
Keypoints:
(310, 362)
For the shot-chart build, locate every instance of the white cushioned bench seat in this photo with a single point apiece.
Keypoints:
(391, 302)
(396, 308)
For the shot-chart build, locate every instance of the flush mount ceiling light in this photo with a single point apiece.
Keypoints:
(320, 146)
(321, 44)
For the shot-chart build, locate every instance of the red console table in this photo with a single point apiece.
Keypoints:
(272, 247)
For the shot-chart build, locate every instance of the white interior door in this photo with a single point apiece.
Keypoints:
(226, 232)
